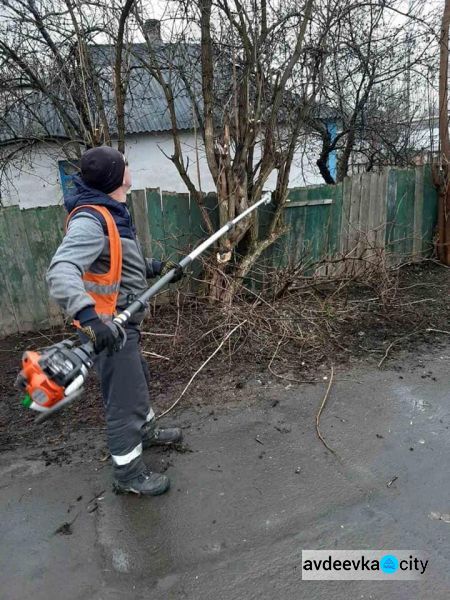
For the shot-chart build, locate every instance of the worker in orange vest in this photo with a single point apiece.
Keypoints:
(98, 269)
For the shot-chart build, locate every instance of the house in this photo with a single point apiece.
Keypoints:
(37, 173)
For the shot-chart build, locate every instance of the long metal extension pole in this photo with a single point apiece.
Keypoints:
(75, 388)
(141, 302)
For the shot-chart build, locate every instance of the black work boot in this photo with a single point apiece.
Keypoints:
(161, 436)
(147, 484)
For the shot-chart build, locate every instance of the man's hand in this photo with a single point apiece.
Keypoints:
(168, 266)
(102, 335)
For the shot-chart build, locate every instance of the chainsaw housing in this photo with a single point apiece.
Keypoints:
(46, 376)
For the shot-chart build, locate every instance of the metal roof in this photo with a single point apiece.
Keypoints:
(146, 109)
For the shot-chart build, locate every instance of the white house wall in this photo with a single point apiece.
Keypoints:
(33, 180)
(151, 168)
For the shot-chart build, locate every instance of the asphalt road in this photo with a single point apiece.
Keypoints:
(257, 488)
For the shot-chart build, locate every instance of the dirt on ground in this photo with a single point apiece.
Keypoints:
(295, 338)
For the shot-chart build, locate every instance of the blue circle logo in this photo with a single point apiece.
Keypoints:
(389, 564)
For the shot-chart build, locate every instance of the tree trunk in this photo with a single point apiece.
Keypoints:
(119, 77)
(322, 163)
(443, 244)
(344, 159)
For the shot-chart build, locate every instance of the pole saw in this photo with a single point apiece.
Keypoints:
(54, 377)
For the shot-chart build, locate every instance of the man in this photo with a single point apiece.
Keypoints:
(98, 270)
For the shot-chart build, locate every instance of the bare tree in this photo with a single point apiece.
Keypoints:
(46, 48)
(372, 51)
(252, 74)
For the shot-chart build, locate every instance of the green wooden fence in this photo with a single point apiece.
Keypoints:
(395, 210)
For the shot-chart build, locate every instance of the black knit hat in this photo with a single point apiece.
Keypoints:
(102, 168)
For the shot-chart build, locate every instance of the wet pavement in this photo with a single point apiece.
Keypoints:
(257, 488)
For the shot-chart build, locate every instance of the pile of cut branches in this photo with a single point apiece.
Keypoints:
(316, 320)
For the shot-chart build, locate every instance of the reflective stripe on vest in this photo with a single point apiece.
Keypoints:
(104, 287)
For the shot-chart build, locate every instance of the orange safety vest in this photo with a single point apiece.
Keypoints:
(104, 287)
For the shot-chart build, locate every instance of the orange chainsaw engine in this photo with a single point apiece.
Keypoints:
(36, 383)
(51, 377)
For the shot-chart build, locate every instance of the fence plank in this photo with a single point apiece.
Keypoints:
(311, 231)
(296, 247)
(155, 223)
(51, 221)
(391, 213)
(197, 226)
(17, 263)
(325, 214)
(418, 212)
(40, 257)
(373, 214)
(430, 208)
(345, 222)
(176, 224)
(139, 211)
(9, 320)
(295, 239)
(354, 235)
(363, 220)
(381, 204)
(404, 215)
(336, 211)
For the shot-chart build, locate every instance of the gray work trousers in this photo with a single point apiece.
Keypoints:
(124, 381)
